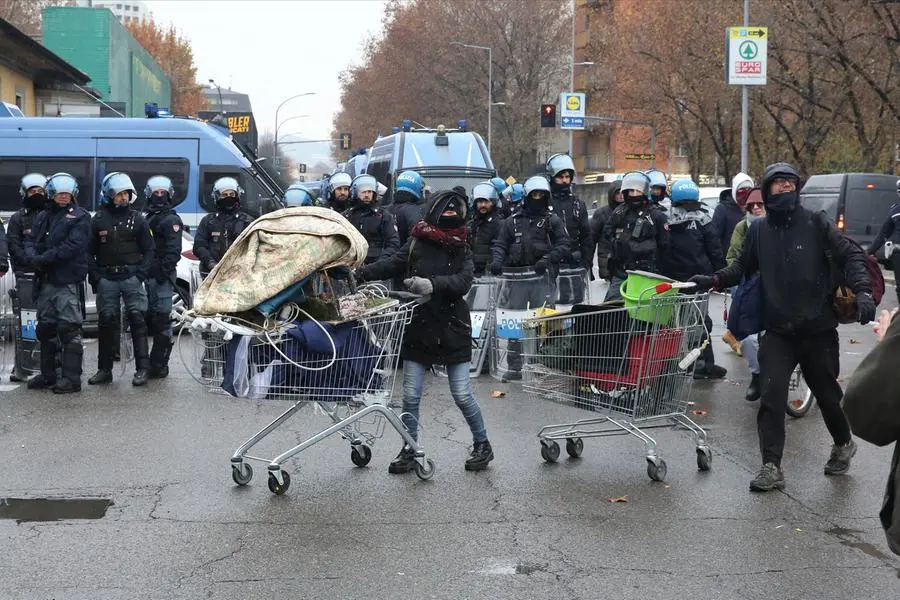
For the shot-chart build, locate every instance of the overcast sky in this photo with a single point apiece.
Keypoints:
(272, 50)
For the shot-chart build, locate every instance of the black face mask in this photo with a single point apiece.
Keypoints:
(535, 205)
(450, 222)
(782, 203)
(635, 200)
(54, 207)
(558, 188)
(36, 201)
(157, 204)
(227, 204)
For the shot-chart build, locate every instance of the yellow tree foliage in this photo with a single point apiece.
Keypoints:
(175, 57)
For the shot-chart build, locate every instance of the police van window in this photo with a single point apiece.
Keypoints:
(208, 178)
(140, 170)
(12, 170)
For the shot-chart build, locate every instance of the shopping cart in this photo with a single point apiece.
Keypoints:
(347, 370)
(632, 365)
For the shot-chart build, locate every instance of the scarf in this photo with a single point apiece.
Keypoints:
(448, 238)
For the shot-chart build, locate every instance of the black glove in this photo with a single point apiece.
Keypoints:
(576, 257)
(603, 268)
(540, 267)
(360, 275)
(496, 269)
(4, 267)
(94, 283)
(865, 307)
(703, 282)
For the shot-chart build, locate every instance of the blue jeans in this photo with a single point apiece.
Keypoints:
(460, 388)
(750, 352)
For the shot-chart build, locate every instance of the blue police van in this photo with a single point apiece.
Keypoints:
(445, 158)
(192, 153)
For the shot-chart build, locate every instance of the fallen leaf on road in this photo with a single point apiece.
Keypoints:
(667, 486)
(779, 526)
(798, 530)
(498, 394)
(699, 412)
(855, 341)
(620, 499)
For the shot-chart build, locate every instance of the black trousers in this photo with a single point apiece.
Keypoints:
(818, 357)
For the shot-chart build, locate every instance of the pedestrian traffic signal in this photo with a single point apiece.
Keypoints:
(548, 115)
(346, 141)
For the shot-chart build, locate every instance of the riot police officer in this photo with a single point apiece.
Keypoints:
(890, 232)
(598, 221)
(574, 214)
(514, 195)
(296, 195)
(484, 227)
(500, 185)
(121, 259)
(376, 225)
(166, 228)
(338, 192)
(217, 231)
(635, 235)
(658, 187)
(34, 199)
(408, 207)
(58, 250)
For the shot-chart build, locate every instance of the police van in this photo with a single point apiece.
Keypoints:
(445, 158)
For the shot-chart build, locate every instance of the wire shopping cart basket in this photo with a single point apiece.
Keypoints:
(348, 370)
(631, 364)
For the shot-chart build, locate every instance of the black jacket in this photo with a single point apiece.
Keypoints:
(634, 238)
(20, 227)
(525, 238)
(215, 234)
(379, 229)
(441, 329)
(725, 218)
(483, 230)
(791, 254)
(166, 227)
(60, 245)
(694, 247)
(407, 211)
(574, 215)
(120, 238)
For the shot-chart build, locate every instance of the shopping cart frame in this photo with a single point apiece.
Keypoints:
(644, 373)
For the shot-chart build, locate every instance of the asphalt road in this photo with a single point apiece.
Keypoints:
(179, 527)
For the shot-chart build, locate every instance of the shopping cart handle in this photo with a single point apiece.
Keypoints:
(409, 296)
(677, 285)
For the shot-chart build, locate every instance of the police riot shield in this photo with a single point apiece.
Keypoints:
(573, 287)
(8, 324)
(21, 324)
(522, 293)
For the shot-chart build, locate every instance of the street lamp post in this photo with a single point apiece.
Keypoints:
(285, 121)
(585, 63)
(221, 105)
(490, 101)
(278, 108)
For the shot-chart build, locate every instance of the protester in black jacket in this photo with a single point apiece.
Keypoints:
(599, 219)
(790, 248)
(437, 262)
(484, 226)
(730, 209)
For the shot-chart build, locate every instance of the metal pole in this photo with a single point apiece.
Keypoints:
(572, 77)
(653, 147)
(490, 98)
(745, 106)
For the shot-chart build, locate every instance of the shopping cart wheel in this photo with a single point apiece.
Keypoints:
(360, 454)
(574, 447)
(424, 473)
(549, 451)
(704, 459)
(242, 473)
(279, 488)
(657, 470)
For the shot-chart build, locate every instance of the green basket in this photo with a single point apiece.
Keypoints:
(643, 302)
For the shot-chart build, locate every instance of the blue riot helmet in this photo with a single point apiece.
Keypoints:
(159, 192)
(364, 183)
(515, 193)
(33, 190)
(412, 182)
(559, 163)
(685, 190)
(62, 183)
(296, 195)
(636, 187)
(498, 184)
(114, 184)
(227, 193)
(658, 184)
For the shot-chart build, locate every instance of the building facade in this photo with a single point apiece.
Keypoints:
(124, 10)
(122, 71)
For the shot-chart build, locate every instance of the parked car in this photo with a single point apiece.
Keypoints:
(709, 196)
(857, 202)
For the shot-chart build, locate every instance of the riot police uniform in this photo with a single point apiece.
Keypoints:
(122, 251)
(376, 225)
(20, 226)
(574, 214)
(166, 228)
(890, 232)
(58, 252)
(217, 231)
(635, 234)
(408, 207)
(484, 227)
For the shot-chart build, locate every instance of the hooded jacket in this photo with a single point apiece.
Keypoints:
(440, 331)
(790, 249)
(728, 214)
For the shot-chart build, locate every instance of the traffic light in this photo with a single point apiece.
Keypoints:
(346, 141)
(301, 168)
(548, 115)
